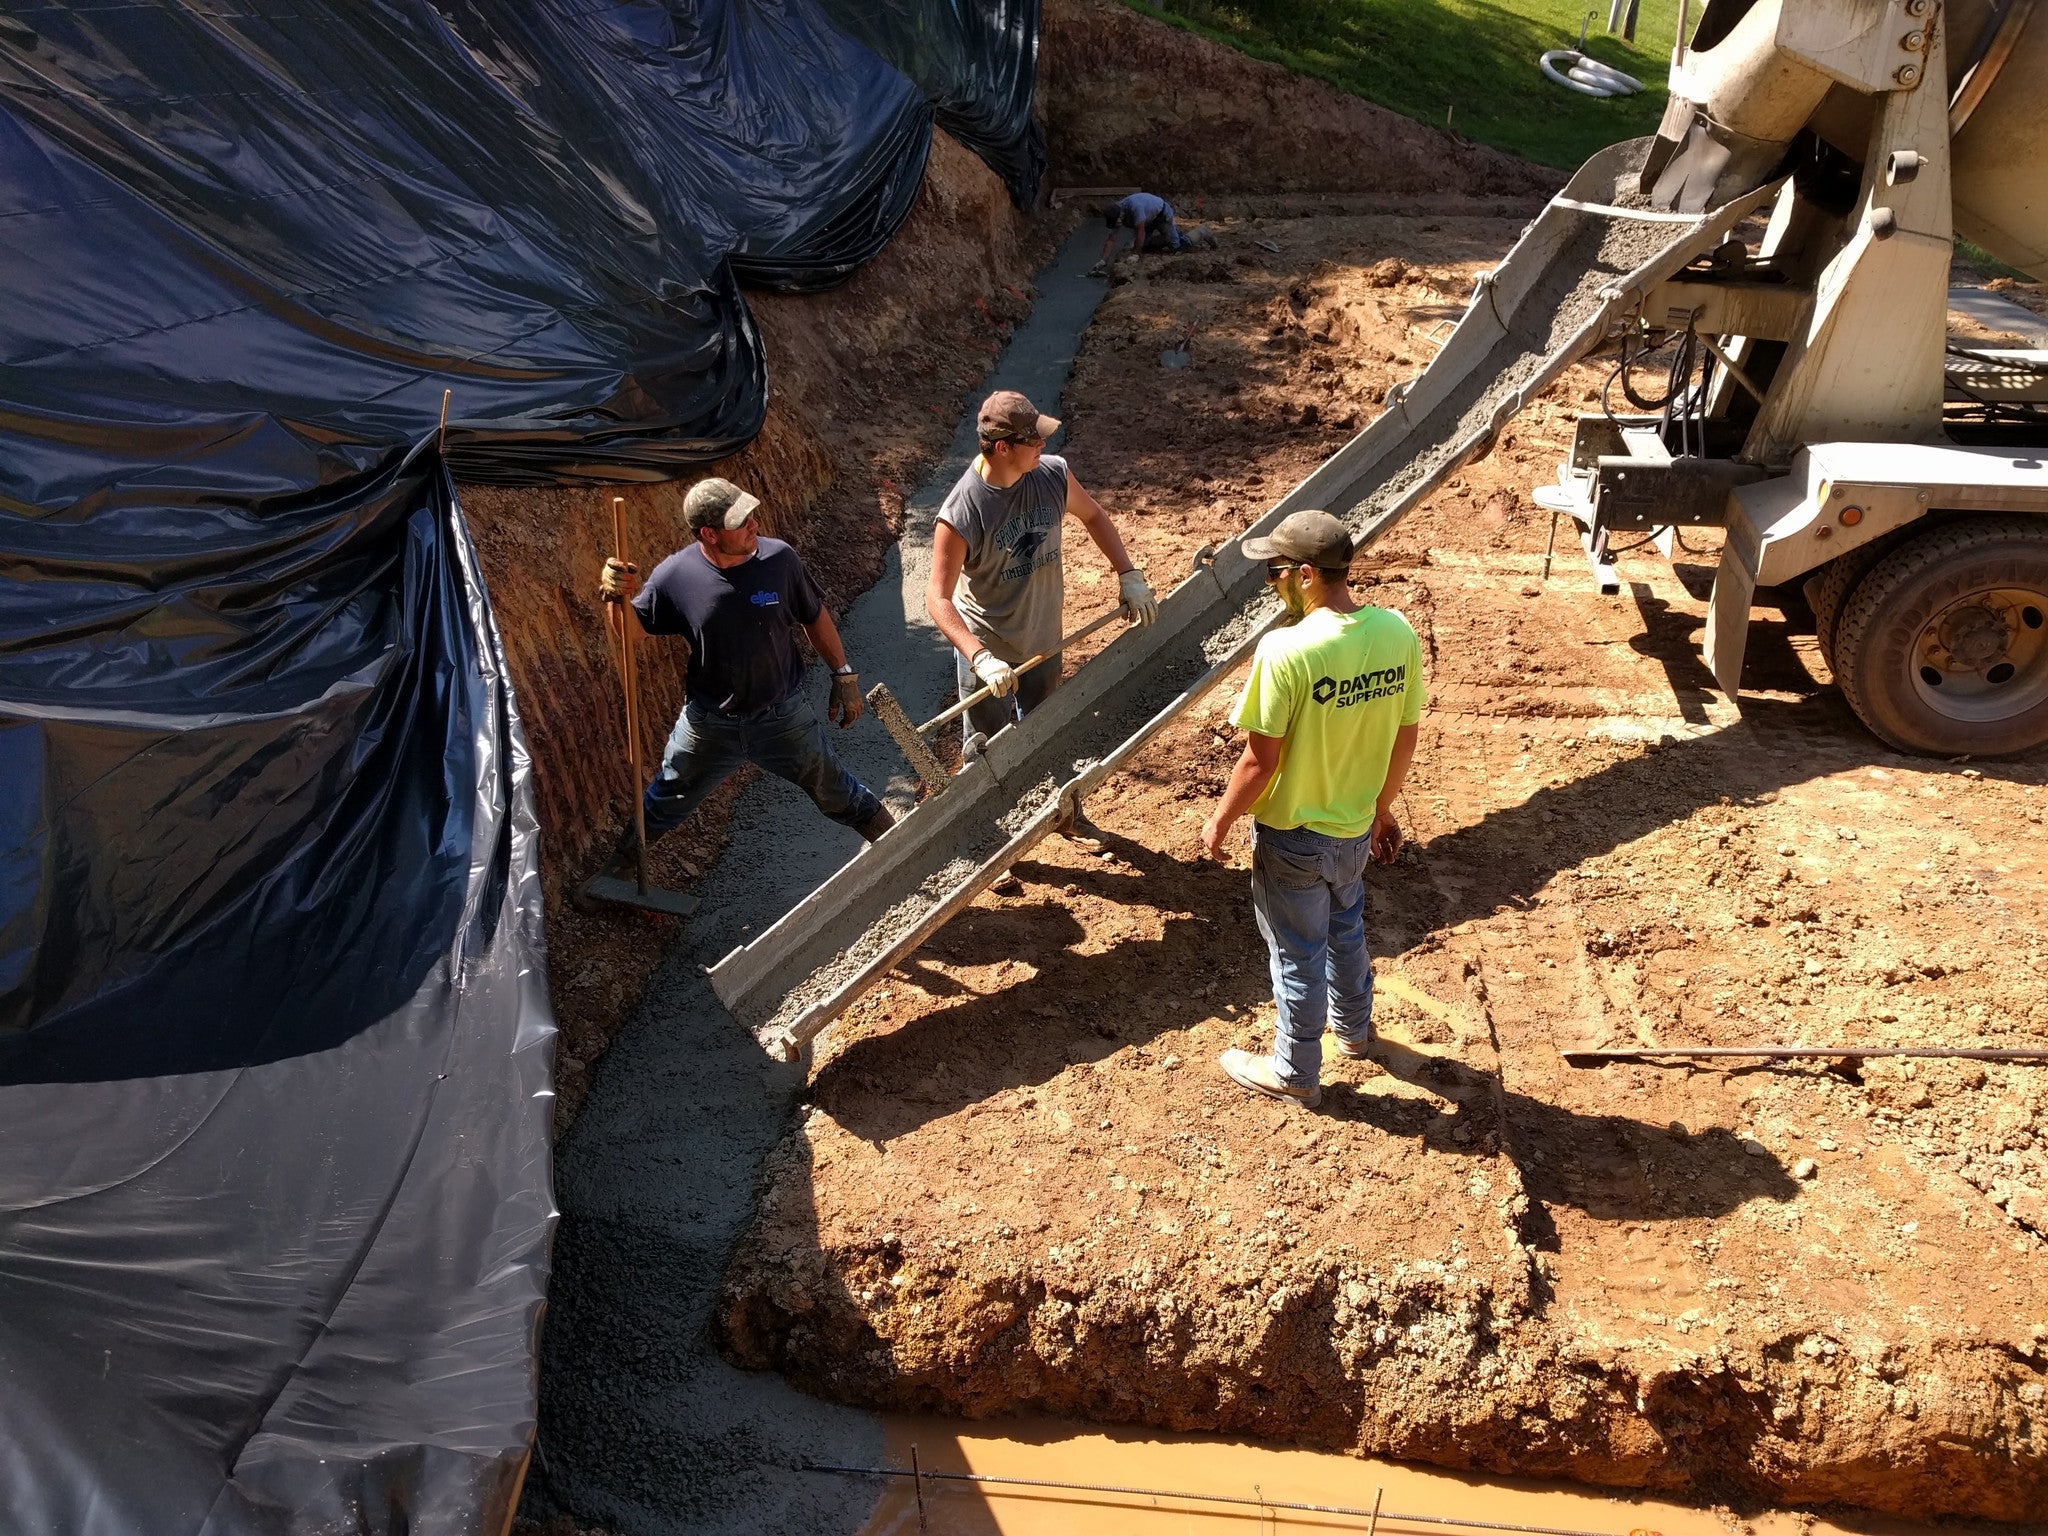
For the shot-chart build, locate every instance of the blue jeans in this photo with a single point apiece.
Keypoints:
(1308, 893)
(787, 739)
(991, 715)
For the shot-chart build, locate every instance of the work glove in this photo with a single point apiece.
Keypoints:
(997, 675)
(619, 581)
(1136, 592)
(846, 700)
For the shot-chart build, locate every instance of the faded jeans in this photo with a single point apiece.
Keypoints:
(787, 739)
(991, 715)
(1308, 893)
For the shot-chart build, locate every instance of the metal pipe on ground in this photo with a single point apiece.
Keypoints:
(1374, 1514)
(1601, 1058)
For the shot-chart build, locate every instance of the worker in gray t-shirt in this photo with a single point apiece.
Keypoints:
(997, 589)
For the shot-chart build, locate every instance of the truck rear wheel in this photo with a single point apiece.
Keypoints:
(1942, 647)
(1827, 592)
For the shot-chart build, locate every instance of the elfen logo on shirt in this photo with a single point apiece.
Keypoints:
(765, 599)
(1381, 683)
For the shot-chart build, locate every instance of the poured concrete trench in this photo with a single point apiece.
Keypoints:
(643, 1427)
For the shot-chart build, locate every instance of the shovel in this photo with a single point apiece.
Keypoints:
(911, 737)
(605, 887)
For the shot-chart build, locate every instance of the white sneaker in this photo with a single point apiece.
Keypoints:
(1257, 1074)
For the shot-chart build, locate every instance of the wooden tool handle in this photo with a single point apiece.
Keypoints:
(974, 698)
(629, 679)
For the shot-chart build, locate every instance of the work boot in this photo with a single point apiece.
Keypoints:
(1257, 1074)
(873, 828)
(1359, 1050)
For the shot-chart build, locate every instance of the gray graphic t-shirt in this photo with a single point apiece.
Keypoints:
(1011, 588)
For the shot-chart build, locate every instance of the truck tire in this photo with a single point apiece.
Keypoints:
(1942, 647)
(1827, 592)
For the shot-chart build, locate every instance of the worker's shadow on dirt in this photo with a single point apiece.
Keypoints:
(1072, 1008)
(1612, 1167)
(1208, 961)
(1504, 859)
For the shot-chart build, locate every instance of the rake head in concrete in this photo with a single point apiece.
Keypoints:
(899, 726)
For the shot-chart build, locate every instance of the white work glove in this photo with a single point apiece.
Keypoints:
(997, 675)
(1136, 592)
(618, 582)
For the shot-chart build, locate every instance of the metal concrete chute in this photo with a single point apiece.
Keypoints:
(1583, 262)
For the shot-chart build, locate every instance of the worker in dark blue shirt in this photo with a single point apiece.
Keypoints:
(739, 599)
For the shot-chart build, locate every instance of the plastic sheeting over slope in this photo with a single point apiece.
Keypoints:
(274, 1075)
(273, 1131)
(977, 64)
(541, 207)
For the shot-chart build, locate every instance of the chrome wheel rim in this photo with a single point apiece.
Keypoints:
(1984, 656)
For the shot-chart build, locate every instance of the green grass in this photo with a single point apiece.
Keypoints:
(1421, 57)
(1984, 261)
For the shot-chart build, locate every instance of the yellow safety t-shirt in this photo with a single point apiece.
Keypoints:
(1336, 687)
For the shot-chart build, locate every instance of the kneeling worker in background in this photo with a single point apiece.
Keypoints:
(1150, 219)
(739, 599)
(1332, 704)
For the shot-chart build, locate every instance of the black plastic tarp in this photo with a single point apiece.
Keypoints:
(538, 206)
(977, 62)
(274, 1038)
(274, 1081)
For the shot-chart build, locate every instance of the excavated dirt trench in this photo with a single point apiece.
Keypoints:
(1020, 1182)
(1017, 1182)
(867, 381)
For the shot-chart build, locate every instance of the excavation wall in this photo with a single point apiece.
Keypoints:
(1131, 101)
(865, 383)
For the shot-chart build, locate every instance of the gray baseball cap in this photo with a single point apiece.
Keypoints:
(718, 504)
(1313, 538)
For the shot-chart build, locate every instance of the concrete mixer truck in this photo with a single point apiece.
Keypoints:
(1796, 386)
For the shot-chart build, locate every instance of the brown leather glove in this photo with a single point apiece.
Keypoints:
(846, 702)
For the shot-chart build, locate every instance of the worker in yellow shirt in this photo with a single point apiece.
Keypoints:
(1333, 705)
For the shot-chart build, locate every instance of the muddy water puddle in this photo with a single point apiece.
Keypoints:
(1050, 1450)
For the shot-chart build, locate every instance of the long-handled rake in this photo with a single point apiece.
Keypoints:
(609, 887)
(910, 738)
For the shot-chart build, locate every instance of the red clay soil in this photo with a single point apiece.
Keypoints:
(1022, 1184)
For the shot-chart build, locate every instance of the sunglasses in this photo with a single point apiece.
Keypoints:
(1276, 572)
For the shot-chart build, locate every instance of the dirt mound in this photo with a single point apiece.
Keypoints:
(867, 381)
(1022, 1183)
(1129, 100)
